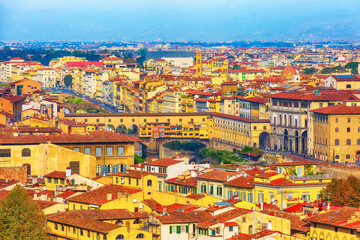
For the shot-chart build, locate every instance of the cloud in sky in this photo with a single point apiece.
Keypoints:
(178, 19)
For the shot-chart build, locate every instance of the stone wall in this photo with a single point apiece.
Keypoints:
(337, 170)
(16, 173)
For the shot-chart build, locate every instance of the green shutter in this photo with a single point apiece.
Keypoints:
(178, 229)
(213, 232)
(187, 229)
(170, 230)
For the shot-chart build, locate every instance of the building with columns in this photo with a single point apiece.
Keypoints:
(291, 114)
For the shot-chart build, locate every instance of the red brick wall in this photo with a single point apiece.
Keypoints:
(16, 173)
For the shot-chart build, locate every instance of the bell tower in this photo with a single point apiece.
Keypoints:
(198, 64)
(225, 69)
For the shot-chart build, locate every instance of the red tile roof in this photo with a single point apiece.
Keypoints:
(255, 236)
(69, 218)
(184, 217)
(94, 136)
(83, 64)
(217, 175)
(189, 182)
(339, 109)
(224, 217)
(297, 208)
(153, 205)
(240, 118)
(45, 204)
(267, 175)
(163, 162)
(295, 222)
(14, 99)
(334, 217)
(132, 174)
(196, 196)
(257, 99)
(56, 174)
(4, 183)
(99, 195)
(243, 182)
(68, 193)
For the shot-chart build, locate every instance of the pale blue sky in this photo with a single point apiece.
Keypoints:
(179, 19)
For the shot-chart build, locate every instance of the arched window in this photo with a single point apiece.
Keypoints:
(337, 157)
(109, 169)
(336, 141)
(140, 235)
(358, 141)
(28, 168)
(98, 170)
(26, 152)
(250, 229)
(119, 237)
(137, 221)
(290, 121)
(149, 183)
(348, 141)
(348, 129)
(336, 129)
(348, 86)
(119, 222)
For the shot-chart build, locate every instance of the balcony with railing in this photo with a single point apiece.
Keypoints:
(311, 177)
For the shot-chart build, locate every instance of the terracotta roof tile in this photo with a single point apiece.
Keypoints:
(94, 136)
(251, 120)
(190, 182)
(217, 175)
(295, 221)
(164, 162)
(334, 217)
(339, 109)
(99, 195)
(184, 217)
(224, 217)
(45, 204)
(56, 174)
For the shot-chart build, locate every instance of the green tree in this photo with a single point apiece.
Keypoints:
(68, 80)
(20, 217)
(353, 66)
(309, 71)
(138, 159)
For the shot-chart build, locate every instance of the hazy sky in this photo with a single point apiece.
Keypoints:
(179, 19)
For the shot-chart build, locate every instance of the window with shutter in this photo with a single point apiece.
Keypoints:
(170, 229)
(187, 229)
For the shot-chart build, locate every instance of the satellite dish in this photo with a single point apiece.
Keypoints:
(122, 181)
(44, 188)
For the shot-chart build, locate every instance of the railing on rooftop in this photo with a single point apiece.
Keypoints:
(318, 176)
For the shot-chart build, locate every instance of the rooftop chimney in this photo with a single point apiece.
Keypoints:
(109, 196)
(164, 211)
(68, 172)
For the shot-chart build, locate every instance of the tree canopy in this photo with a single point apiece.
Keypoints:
(353, 66)
(68, 80)
(21, 217)
(343, 191)
(309, 71)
